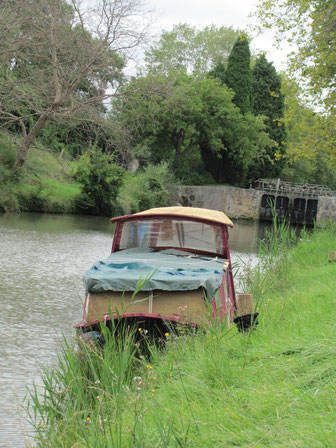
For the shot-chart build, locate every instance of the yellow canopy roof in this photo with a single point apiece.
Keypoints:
(190, 212)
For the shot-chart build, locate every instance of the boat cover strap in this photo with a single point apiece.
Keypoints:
(168, 270)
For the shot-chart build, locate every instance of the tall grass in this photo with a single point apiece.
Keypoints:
(272, 387)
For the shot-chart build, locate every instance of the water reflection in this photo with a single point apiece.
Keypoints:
(245, 235)
(42, 259)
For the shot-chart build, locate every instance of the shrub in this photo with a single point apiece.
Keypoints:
(101, 179)
(147, 188)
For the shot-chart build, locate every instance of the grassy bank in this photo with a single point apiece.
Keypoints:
(92, 184)
(43, 185)
(273, 387)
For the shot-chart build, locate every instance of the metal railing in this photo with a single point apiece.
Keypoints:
(288, 188)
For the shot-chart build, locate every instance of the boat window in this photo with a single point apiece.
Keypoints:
(172, 233)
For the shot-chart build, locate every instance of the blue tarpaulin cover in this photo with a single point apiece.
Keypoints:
(169, 270)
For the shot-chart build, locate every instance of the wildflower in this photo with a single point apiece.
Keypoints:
(262, 291)
(88, 420)
(153, 391)
(268, 300)
(140, 329)
(153, 395)
(290, 299)
(154, 378)
(170, 375)
(167, 335)
(99, 398)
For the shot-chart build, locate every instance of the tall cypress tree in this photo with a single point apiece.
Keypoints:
(238, 74)
(269, 101)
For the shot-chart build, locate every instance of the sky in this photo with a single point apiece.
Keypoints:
(200, 13)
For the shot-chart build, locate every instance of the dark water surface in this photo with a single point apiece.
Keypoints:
(42, 260)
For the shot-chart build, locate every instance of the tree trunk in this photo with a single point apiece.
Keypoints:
(179, 154)
(29, 138)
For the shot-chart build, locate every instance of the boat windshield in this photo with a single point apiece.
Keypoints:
(172, 233)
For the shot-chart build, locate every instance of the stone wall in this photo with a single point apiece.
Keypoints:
(243, 203)
(234, 202)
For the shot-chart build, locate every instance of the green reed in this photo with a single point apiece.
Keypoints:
(272, 387)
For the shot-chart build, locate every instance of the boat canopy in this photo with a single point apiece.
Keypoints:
(202, 214)
(167, 270)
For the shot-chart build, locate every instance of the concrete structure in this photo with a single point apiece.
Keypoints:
(243, 203)
(326, 210)
(235, 202)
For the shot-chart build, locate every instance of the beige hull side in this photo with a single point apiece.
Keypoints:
(188, 305)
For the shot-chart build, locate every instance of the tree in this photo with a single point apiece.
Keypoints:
(311, 139)
(268, 101)
(311, 27)
(61, 61)
(244, 142)
(188, 50)
(238, 74)
(176, 117)
(218, 72)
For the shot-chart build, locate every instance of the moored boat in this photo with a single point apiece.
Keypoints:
(168, 266)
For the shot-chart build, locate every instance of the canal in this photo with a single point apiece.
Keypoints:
(42, 259)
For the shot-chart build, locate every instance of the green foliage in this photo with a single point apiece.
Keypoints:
(238, 74)
(43, 184)
(311, 139)
(177, 118)
(188, 50)
(271, 387)
(101, 179)
(150, 187)
(8, 177)
(83, 381)
(268, 100)
(191, 170)
(32, 200)
(311, 26)
(63, 68)
(244, 142)
(70, 138)
(7, 152)
(218, 72)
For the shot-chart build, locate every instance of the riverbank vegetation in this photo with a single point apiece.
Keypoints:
(271, 387)
(201, 105)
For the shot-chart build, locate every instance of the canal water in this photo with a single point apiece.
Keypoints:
(42, 260)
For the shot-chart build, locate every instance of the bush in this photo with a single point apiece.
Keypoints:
(191, 171)
(31, 200)
(101, 179)
(147, 188)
